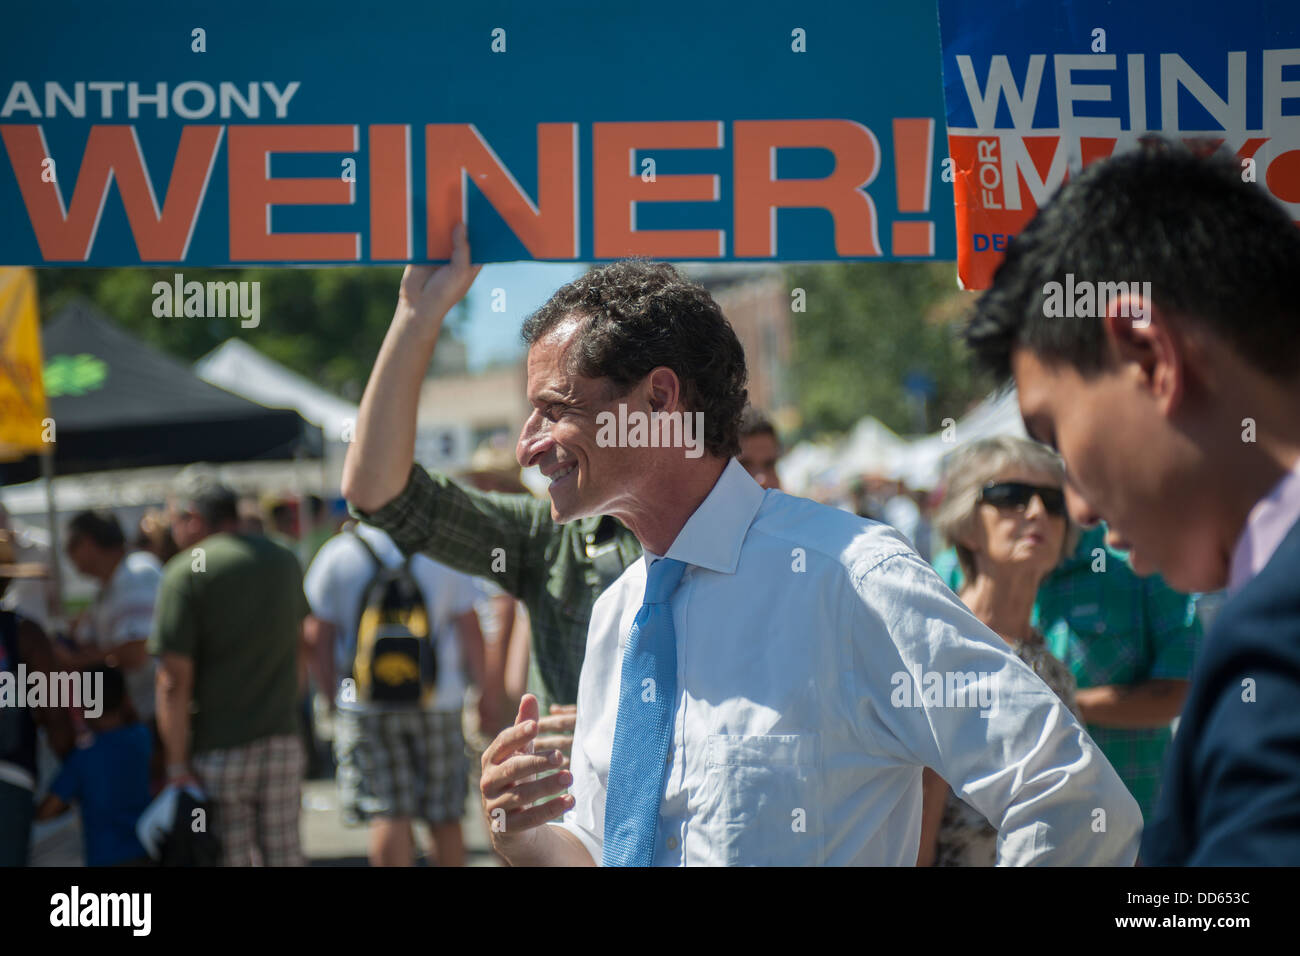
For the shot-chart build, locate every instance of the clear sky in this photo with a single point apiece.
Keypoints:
(494, 336)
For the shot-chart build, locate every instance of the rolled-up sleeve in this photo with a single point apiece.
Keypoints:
(987, 724)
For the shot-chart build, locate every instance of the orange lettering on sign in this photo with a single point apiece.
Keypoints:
(618, 186)
(253, 192)
(759, 194)
(390, 193)
(112, 153)
(547, 229)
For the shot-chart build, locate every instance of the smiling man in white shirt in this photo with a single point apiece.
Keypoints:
(766, 686)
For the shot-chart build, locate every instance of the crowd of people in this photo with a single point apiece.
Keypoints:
(666, 660)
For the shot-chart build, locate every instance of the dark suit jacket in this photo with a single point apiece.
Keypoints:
(1231, 792)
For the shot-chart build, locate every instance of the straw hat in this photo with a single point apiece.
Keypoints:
(9, 566)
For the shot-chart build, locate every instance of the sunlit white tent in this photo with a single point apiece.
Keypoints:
(238, 367)
(806, 466)
(871, 448)
(921, 461)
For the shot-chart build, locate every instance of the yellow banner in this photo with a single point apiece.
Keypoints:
(22, 391)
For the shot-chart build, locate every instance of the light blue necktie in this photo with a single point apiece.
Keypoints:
(647, 692)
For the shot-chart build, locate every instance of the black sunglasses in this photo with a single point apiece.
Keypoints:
(1017, 494)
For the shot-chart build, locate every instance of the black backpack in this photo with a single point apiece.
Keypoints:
(394, 663)
(185, 846)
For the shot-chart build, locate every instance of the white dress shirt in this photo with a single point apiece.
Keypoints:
(810, 644)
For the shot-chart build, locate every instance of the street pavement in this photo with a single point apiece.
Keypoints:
(327, 842)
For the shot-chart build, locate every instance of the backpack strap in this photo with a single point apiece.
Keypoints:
(352, 530)
(380, 566)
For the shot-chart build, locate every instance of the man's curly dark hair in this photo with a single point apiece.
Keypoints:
(643, 315)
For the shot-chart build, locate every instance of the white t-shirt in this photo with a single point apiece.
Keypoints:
(486, 608)
(123, 612)
(335, 586)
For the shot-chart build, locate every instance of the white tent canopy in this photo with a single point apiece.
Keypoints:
(920, 464)
(871, 448)
(806, 466)
(238, 367)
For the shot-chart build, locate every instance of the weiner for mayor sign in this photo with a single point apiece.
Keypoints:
(331, 133)
(1035, 92)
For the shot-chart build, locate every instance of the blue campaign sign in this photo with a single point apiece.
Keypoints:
(1035, 92)
(329, 132)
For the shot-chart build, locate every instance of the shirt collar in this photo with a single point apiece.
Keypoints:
(713, 535)
(1266, 526)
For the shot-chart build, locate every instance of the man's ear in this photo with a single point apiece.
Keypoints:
(665, 389)
(1142, 336)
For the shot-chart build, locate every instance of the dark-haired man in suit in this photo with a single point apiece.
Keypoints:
(1173, 394)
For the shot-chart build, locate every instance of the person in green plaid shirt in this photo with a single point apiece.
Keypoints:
(1129, 642)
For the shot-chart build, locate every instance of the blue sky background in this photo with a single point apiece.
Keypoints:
(493, 337)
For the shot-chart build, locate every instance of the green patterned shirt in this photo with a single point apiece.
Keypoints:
(557, 570)
(1113, 627)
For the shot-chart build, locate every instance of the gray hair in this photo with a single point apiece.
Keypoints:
(199, 490)
(972, 466)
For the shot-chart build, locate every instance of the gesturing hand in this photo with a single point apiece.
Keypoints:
(510, 794)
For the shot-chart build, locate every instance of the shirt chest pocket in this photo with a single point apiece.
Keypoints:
(763, 800)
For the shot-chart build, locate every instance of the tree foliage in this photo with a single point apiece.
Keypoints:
(866, 328)
(325, 324)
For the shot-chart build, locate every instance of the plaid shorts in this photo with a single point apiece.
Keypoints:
(256, 792)
(401, 763)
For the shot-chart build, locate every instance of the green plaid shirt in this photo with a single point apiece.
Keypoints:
(1113, 628)
(558, 571)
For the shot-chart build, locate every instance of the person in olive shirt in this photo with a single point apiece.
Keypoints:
(227, 629)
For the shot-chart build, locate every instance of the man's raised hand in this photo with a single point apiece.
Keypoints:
(429, 292)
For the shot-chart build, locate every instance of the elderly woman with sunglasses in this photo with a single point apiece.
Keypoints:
(1004, 511)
